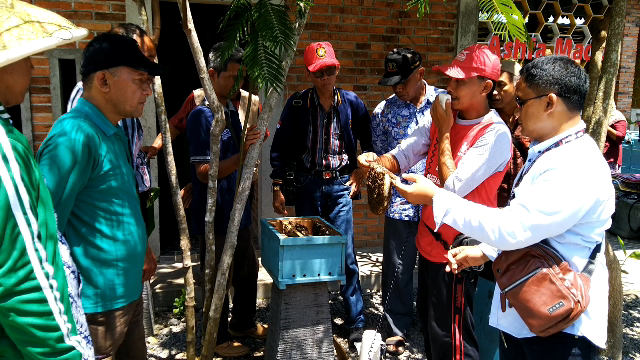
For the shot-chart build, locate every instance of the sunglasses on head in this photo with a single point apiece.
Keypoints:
(330, 71)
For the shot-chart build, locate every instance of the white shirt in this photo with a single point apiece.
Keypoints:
(489, 155)
(566, 197)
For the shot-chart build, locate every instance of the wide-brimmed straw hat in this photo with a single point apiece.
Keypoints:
(26, 30)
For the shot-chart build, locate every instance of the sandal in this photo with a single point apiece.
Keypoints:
(395, 345)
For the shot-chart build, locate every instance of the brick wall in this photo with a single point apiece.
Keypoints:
(628, 58)
(362, 32)
(97, 17)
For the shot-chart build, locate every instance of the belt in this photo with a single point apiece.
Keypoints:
(328, 174)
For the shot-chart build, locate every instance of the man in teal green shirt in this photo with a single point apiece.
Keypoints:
(41, 313)
(87, 165)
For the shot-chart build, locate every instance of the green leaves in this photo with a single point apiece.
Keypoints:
(423, 7)
(266, 30)
(505, 18)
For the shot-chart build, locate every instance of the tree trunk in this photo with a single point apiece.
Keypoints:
(242, 192)
(215, 133)
(185, 244)
(603, 104)
(614, 323)
(598, 44)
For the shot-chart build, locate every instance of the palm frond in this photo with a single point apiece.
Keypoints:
(266, 31)
(422, 5)
(505, 18)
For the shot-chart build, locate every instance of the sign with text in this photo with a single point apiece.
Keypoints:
(520, 51)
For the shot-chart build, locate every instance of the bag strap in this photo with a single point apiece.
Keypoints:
(590, 267)
(591, 264)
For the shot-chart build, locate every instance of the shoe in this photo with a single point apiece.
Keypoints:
(355, 336)
(395, 345)
(232, 349)
(257, 332)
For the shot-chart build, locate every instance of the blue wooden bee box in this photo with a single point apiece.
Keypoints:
(304, 259)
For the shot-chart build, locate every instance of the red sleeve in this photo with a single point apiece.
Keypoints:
(621, 130)
(179, 120)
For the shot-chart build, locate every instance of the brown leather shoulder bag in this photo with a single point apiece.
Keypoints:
(547, 294)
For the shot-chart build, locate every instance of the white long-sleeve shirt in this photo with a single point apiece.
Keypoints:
(566, 197)
(489, 155)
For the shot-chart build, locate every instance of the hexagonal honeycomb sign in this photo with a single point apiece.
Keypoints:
(552, 22)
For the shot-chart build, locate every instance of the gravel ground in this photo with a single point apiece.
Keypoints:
(169, 341)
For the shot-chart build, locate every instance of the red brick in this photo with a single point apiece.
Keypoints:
(76, 15)
(41, 128)
(110, 17)
(40, 81)
(118, 8)
(40, 71)
(90, 6)
(54, 5)
(42, 118)
(345, 10)
(41, 109)
(341, 28)
(356, 20)
(375, 12)
(39, 61)
(95, 26)
(41, 99)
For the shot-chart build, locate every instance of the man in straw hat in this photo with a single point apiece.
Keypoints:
(467, 148)
(40, 310)
(88, 167)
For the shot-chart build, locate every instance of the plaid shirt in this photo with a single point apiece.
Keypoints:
(325, 140)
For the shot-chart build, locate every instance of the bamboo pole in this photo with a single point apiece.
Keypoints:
(242, 193)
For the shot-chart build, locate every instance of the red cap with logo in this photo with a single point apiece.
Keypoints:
(476, 60)
(320, 55)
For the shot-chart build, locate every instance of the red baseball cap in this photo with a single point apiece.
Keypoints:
(320, 55)
(476, 60)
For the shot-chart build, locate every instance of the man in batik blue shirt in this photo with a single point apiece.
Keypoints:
(392, 121)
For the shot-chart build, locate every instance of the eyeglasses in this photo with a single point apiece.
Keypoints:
(521, 103)
(330, 71)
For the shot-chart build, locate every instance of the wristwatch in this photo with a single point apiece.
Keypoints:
(275, 188)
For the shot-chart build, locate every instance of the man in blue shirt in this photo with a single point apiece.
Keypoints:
(87, 164)
(245, 264)
(392, 121)
(318, 134)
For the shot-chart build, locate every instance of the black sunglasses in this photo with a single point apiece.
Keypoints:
(330, 71)
(521, 103)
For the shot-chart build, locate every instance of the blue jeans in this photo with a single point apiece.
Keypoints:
(330, 200)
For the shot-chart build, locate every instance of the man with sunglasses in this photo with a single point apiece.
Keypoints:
(392, 122)
(466, 154)
(315, 144)
(546, 203)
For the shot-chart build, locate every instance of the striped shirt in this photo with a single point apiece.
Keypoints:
(133, 129)
(325, 140)
(40, 283)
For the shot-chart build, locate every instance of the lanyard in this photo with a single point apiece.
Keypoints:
(565, 140)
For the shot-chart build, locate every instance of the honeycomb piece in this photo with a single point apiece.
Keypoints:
(378, 189)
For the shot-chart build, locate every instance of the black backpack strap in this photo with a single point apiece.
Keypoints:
(591, 264)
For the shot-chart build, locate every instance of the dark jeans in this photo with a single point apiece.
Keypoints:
(330, 200)
(399, 307)
(244, 279)
(559, 346)
(445, 305)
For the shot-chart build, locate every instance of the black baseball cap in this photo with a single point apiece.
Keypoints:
(108, 51)
(399, 65)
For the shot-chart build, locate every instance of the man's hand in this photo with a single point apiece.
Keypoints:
(463, 257)
(252, 137)
(365, 160)
(187, 195)
(421, 192)
(442, 118)
(278, 203)
(151, 151)
(356, 180)
(150, 265)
